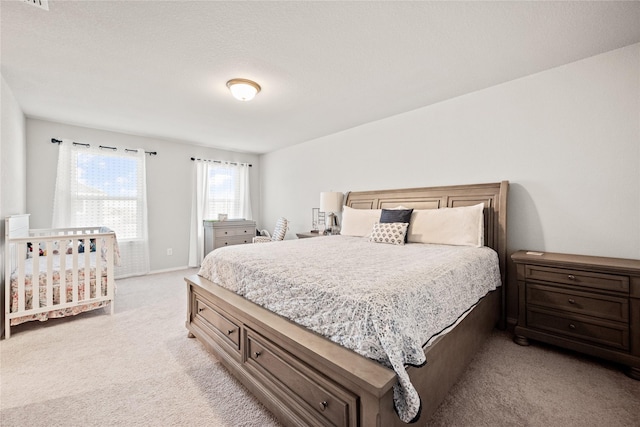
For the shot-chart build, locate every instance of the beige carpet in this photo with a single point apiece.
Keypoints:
(138, 368)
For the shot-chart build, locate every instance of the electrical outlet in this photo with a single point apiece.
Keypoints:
(169, 251)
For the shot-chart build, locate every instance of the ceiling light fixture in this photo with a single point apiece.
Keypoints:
(243, 89)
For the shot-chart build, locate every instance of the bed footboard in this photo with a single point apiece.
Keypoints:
(307, 380)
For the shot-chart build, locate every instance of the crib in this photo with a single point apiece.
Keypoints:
(51, 273)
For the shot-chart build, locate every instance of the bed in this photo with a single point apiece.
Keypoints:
(310, 374)
(53, 273)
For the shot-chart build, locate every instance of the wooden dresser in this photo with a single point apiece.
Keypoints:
(583, 303)
(225, 233)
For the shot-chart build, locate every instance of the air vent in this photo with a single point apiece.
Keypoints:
(42, 4)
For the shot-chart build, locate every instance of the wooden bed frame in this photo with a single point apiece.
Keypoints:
(305, 379)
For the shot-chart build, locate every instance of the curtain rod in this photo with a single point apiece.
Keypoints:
(104, 147)
(221, 161)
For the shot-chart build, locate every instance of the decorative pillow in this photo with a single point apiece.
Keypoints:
(358, 222)
(396, 215)
(389, 232)
(463, 226)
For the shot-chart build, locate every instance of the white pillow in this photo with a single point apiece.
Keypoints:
(463, 226)
(358, 222)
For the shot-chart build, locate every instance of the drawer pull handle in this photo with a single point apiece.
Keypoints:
(256, 354)
(200, 309)
(572, 301)
(572, 326)
(230, 331)
(571, 277)
(323, 405)
(226, 232)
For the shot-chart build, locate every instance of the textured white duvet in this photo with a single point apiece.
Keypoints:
(382, 301)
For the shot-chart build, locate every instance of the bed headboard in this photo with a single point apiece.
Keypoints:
(493, 195)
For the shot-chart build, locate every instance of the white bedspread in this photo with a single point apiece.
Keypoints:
(382, 301)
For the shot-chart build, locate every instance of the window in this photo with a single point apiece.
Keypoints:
(225, 189)
(219, 188)
(105, 191)
(97, 187)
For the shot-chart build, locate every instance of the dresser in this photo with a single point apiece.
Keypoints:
(584, 303)
(225, 233)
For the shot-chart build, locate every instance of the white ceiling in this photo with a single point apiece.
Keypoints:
(159, 68)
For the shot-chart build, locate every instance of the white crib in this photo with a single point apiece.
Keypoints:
(71, 268)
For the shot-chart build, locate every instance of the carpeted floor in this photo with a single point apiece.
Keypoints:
(138, 368)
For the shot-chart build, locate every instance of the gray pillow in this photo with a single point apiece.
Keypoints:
(396, 215)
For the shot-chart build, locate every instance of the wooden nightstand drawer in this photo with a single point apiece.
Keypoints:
(585, 303)
(609, 282)
(612, 334)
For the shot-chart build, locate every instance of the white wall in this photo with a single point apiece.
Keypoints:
(169, 182)
(12, 168)
(567, 139)
(12, 155)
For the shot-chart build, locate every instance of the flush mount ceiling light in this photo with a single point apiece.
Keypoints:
(243, 89)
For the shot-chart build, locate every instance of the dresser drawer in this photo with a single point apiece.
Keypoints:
(232, 240)
(321, 401)
(235, 231)
(609, 282)
(586, 303)
(224, 327)
(602, 332)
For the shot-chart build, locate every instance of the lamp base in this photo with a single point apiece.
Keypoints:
(332, 225)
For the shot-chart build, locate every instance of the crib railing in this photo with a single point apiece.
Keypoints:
(62, 263)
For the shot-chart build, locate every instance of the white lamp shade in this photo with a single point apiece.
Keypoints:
(331, 201)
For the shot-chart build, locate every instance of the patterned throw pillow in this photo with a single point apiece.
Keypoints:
(390, 232)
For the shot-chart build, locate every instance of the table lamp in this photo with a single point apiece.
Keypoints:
(331, 202)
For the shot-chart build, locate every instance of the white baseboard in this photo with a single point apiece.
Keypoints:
(168, 270)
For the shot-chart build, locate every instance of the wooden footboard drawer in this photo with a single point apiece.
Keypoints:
(321, 401)
(612, 334)
(220, 323)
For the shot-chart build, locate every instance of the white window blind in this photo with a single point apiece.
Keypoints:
(96, 187)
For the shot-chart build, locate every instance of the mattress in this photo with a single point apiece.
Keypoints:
(382, 301)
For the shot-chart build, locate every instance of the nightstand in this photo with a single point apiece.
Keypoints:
(308, 235)
(584, 303)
